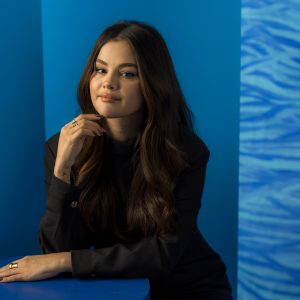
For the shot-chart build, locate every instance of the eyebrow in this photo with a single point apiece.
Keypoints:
(120, 65)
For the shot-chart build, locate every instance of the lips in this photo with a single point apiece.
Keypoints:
(109, 97)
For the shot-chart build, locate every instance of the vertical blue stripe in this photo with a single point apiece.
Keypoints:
(269, 207)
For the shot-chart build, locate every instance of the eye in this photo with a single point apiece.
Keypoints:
(128, 75)
(100, 70)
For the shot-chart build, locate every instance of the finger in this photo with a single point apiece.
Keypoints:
(88, 117)
(6, 269)
(89, 125)
(15, 277)
(86, 124)
(9, 272)
(80, 132)
(74, 122)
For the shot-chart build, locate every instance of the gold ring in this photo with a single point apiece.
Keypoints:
(13, 265)
(74, 123)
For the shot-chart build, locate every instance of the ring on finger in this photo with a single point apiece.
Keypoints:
(13, 265)
(74, 123)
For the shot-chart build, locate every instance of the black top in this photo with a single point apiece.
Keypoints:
(183, 266)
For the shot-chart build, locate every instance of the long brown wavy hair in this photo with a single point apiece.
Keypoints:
(157, 159)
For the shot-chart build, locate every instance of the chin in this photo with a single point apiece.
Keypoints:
(105, 113)
(109, 115)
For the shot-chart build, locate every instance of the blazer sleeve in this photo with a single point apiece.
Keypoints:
(61, 227)
(153, 256)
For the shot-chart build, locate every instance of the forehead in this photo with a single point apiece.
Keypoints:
(117, 52)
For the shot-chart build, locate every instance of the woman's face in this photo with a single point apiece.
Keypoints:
(115, 84)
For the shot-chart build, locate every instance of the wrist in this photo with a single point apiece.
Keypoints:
(64, 261)
(63, 173)
(65, 177)
(61, 164)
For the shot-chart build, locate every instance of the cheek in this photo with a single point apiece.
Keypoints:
(94, 86)
(134, 90)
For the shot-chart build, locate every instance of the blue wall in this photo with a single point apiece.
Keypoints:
(21, 127)
(204, 40)
(269, 206)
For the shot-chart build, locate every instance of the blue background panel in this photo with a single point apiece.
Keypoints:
(21, 127)
(269, 206)
(204, 41)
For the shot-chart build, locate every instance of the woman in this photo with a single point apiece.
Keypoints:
(124, 179)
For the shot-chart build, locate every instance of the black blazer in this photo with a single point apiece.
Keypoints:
(182, 266)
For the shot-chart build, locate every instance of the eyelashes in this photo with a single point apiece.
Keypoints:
(128, 74)
(123, 74)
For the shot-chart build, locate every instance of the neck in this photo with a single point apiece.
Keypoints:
(123, 129)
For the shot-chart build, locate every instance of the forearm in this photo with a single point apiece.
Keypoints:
(62, 227)
(56, 234)
(63, 261)
(62, 172)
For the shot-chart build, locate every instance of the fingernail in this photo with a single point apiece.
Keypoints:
(99, 116)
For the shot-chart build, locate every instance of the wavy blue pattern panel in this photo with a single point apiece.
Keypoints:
(269, 208)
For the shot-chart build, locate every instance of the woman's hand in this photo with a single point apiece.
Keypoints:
(37, 267)
(71, 140)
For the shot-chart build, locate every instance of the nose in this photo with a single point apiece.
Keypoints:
(110, 82)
